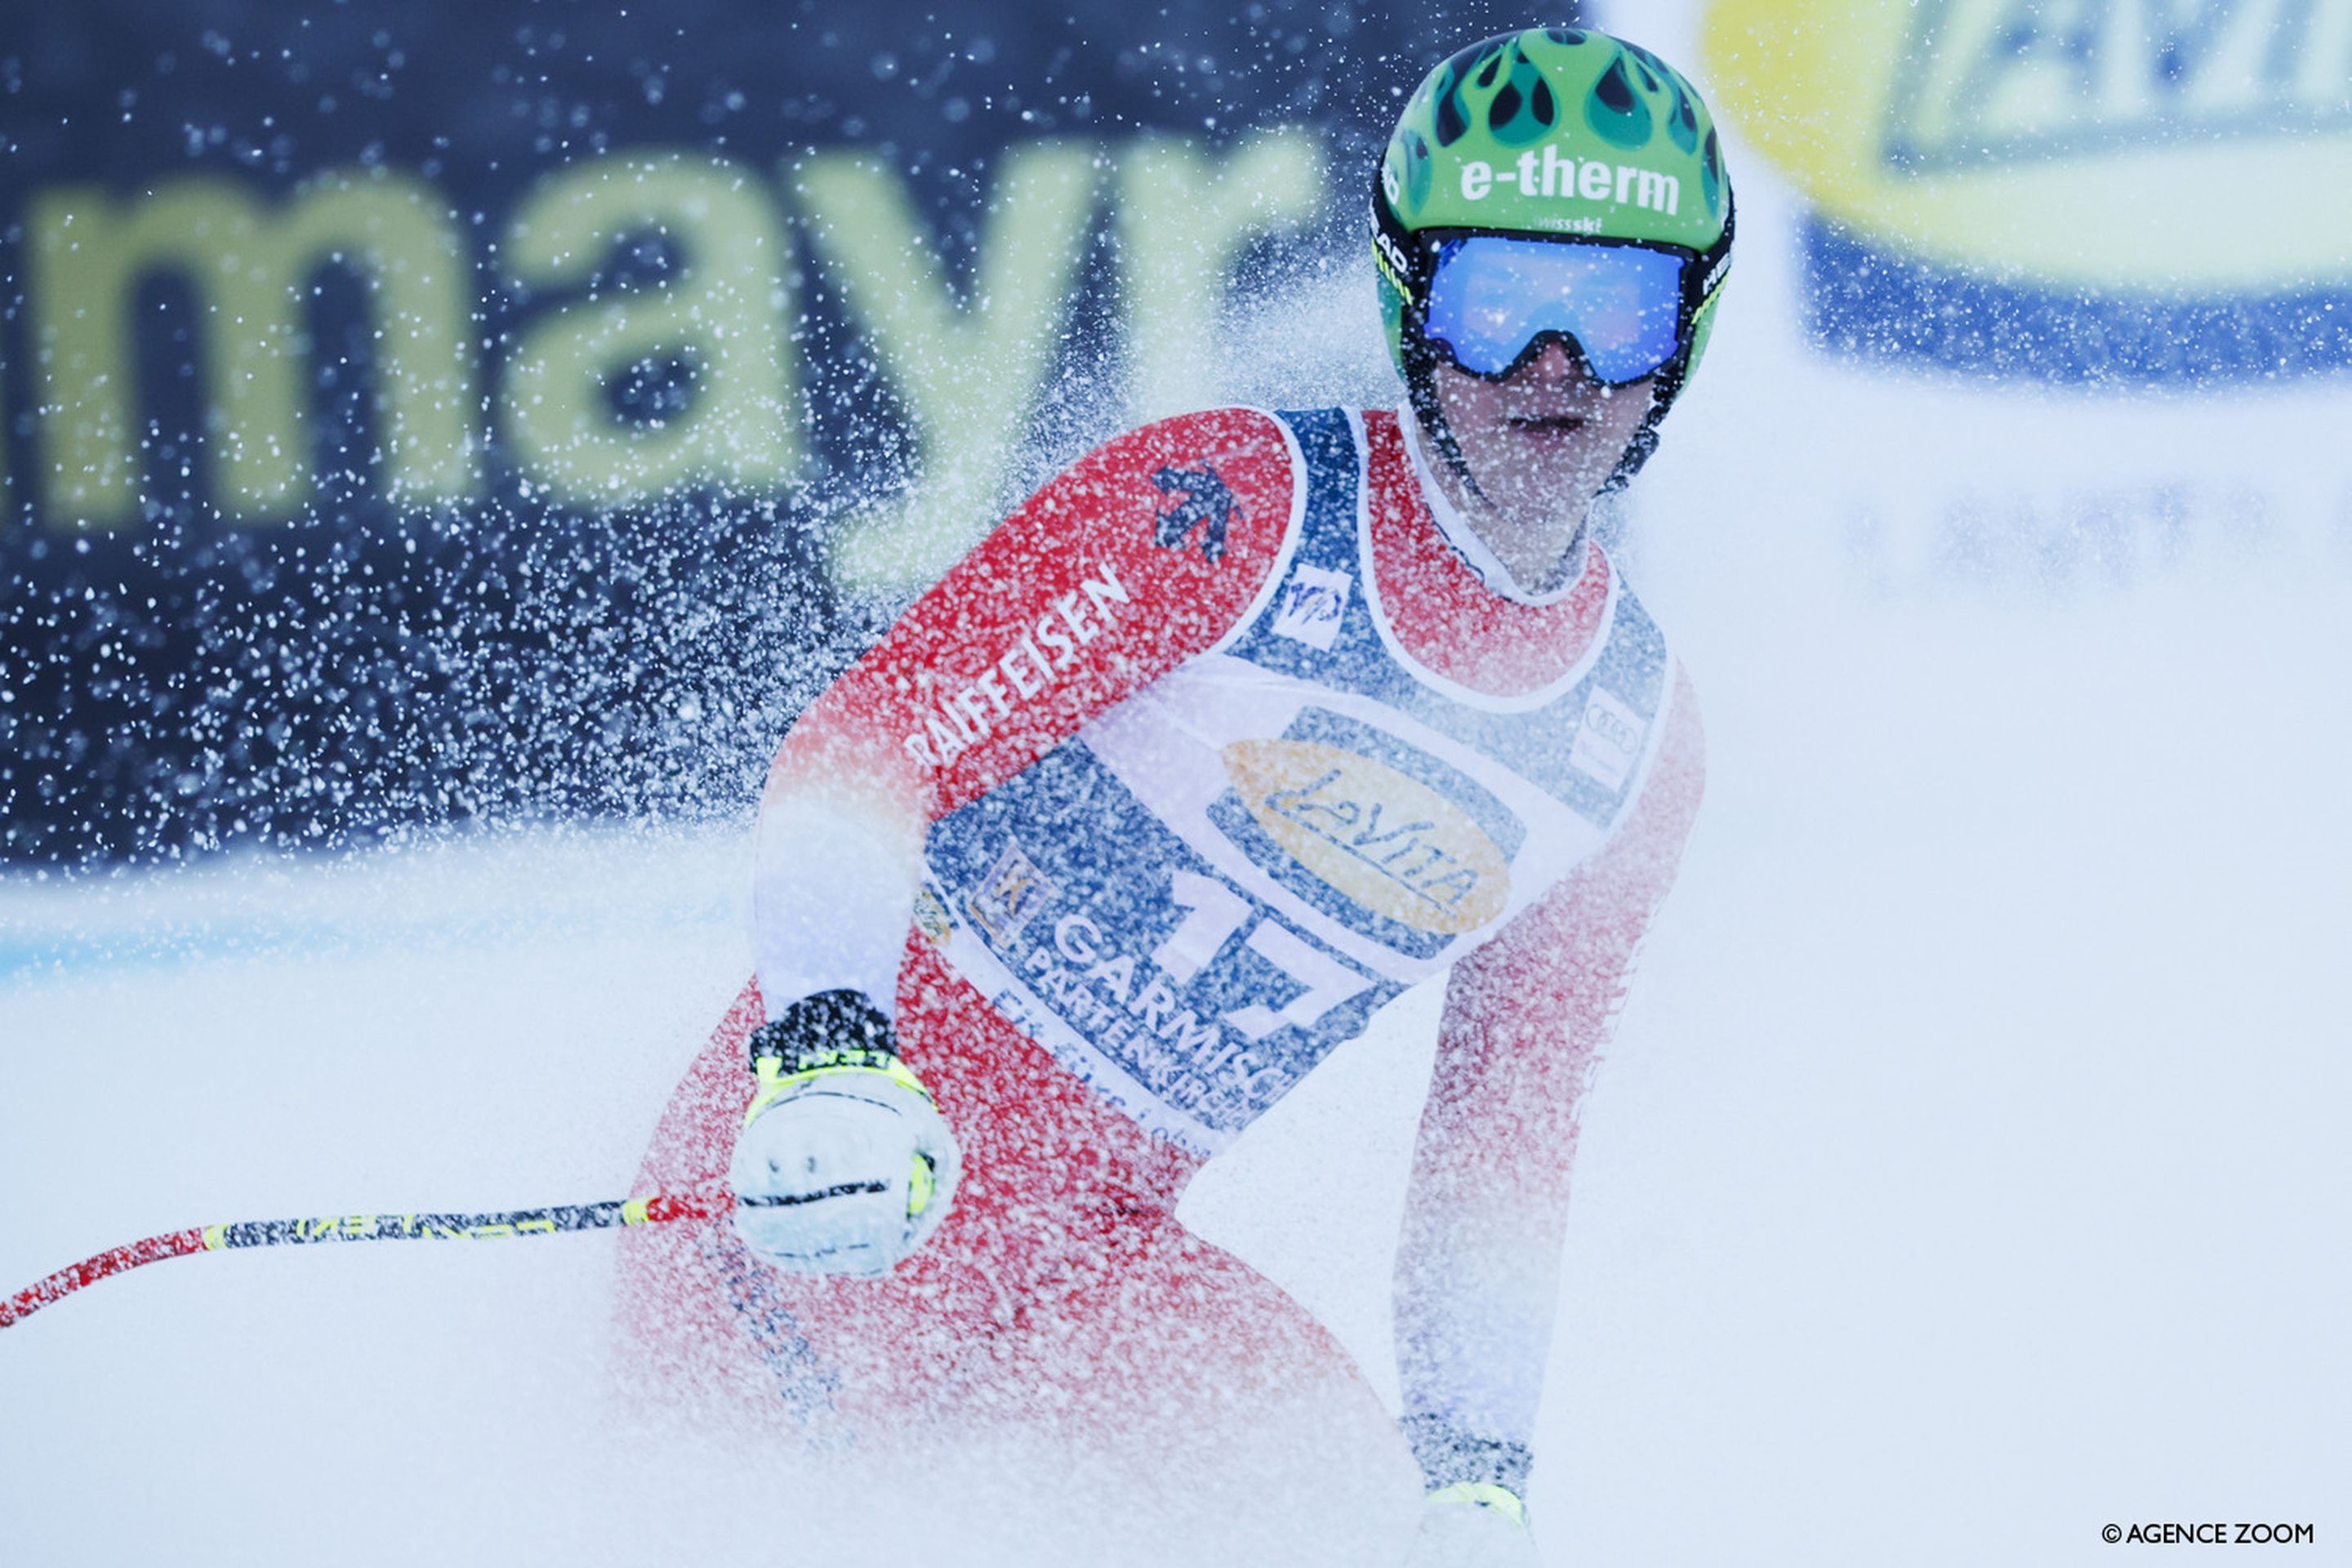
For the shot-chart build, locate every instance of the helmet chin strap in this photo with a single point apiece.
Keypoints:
(1641, 446)
(1421, 390)
(1643, 443)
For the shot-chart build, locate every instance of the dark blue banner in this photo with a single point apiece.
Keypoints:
(417, 412)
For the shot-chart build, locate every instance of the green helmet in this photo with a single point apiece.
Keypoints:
(1558, 132)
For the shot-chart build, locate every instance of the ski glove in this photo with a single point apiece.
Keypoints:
(845, 1164)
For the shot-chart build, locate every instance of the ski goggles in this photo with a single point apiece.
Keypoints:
(1492, 297)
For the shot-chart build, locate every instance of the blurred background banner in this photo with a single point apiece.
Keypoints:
(416, 412)
(2039, 300)
(2100, 191)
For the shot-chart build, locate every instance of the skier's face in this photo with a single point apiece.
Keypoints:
(1542, 441)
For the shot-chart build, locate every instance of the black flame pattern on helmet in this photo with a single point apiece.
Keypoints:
(1519, 88)
(1451, 111)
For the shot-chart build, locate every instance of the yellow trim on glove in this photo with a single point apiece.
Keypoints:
(772, 1083)
(1486, 1494)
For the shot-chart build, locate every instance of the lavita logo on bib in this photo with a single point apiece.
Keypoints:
(1390, 843)
(2122, 191)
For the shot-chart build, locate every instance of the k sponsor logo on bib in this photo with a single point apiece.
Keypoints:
(1008, 896)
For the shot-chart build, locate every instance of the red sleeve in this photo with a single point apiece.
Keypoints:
(1138, 557)
(1477, 1271)
(1084, 595)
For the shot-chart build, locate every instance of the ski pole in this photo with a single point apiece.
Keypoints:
(659, 1209)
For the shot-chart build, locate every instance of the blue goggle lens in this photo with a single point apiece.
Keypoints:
(1492, 295)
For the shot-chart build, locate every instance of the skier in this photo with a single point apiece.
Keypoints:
(1237, 729)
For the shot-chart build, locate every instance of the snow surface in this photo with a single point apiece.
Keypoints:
(1967, 1173)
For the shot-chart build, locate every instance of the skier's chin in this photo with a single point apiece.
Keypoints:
(1554, 475)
